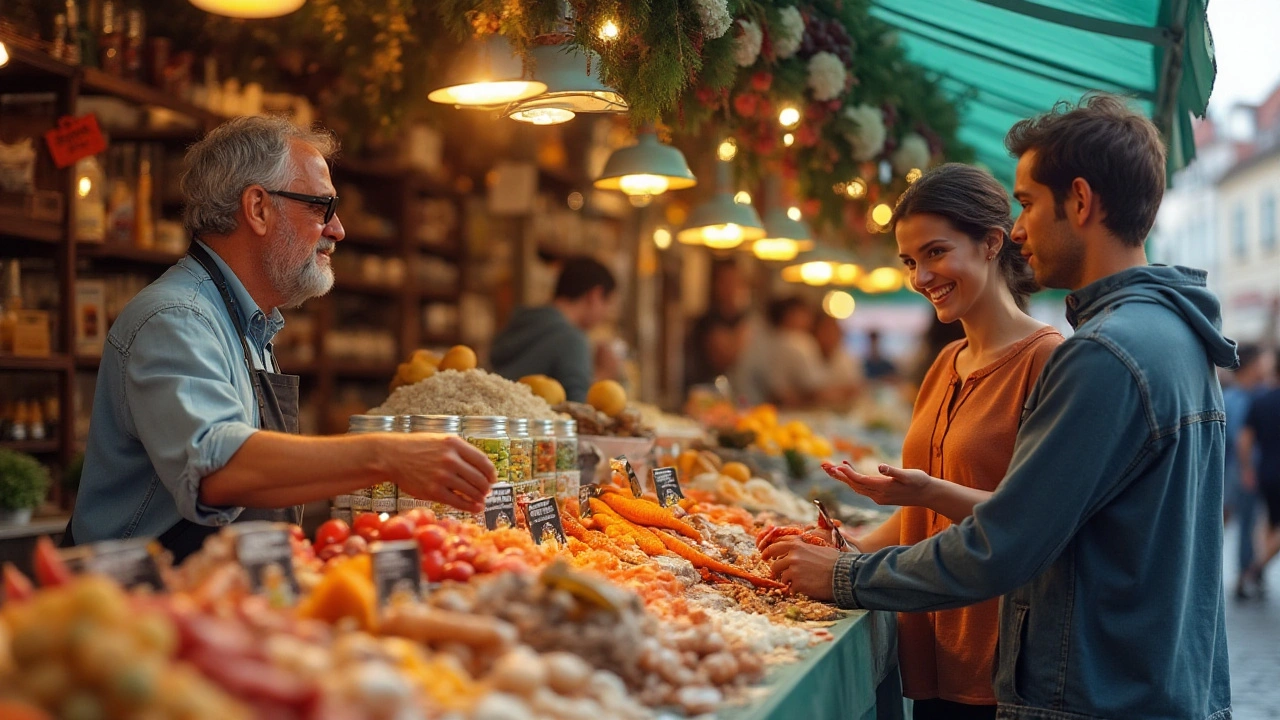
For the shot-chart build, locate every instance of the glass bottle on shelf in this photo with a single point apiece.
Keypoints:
(135, 31)
(90, 208)
(144, 227)
(74, 45)
(60, 37)
(12, 304)
(111, 40)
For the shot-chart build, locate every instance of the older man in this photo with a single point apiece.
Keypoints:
(193, 424)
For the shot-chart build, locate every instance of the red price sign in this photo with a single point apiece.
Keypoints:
(75, 138)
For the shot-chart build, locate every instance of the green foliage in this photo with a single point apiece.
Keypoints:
(24, 482)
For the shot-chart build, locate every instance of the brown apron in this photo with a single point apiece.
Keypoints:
(277, 397)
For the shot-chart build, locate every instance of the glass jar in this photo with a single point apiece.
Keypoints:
(523, 481)
(489, 434)
(371, 499)
(404, 423)
(441, 425)
(544, 455)
(568, 474)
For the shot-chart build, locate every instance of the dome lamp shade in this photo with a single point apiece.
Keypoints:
(720, 223)
(646, 169)
(487, 74)
(573, 86)
(249, 9)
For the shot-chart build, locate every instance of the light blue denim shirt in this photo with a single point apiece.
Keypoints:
(1105, 537)
(174, 402)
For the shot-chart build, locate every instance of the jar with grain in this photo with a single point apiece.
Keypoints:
(568, 474)
(544, 455)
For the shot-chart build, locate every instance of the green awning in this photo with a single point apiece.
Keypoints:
(1010, 59)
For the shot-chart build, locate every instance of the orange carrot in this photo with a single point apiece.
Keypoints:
(702, 560)
(643, 512)
(649, 544)
(599, 541)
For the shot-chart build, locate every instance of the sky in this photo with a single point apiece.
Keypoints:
(1248, 51)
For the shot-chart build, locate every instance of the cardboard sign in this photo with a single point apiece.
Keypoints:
(264, 551)
(544, 521)
(666, 483)
(397, 568)
(622, 466)
(585, 493)
(500, 507)
(132, 563)
(75, 138)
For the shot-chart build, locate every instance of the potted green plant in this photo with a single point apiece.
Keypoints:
(24, 482)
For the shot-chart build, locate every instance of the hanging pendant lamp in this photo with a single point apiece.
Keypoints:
(252, 9)
(825, 266)
(487, 74)
(573, 86)
(646, 169)
(785, 234)
(720, 223)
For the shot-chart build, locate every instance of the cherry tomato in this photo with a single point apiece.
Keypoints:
(433, 565)
(332, 532)
(459, 571)
(297, 533)
(367, 526)
(396, 528)
(420, 516)
(332, 550)
(430, 538)
(356, 545)
(463, 552)
(483, 562)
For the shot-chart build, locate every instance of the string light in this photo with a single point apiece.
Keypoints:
(882, 214)
(789, 117)
(742, 198)
(662, 238)
(608, 31)
(856, 189)
(728, 149)
(793, 212)
(838, 304)
(913, 175)
(788, 140)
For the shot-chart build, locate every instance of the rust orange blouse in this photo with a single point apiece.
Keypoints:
(962, 432)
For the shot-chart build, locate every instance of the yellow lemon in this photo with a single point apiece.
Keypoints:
(737, 471)
(459, 357)
(546, 388)
(608, 397)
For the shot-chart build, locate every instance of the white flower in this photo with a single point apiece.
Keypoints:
(715, 17)
(868, 139)
(789, 33)
(826, 76)
(912, 152)
(746, 47)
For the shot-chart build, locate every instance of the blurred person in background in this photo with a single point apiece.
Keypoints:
(552, 339)
(1250, 382)
(718, 339)
(844, 374)
(876, 365)
(793, 375)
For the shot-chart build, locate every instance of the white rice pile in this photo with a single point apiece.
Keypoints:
(468, 393)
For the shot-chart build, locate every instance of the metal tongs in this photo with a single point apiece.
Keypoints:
(826, 523)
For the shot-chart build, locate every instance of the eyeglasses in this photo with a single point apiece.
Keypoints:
(330, 202)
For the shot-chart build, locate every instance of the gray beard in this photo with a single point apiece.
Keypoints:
(298, 283)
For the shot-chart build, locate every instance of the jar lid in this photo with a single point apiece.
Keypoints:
(371, 423)
(567, 427)
(435, 423)
(542, 427)
(484, 423)
(518, 426)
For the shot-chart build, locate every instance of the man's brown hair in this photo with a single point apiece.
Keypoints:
(1116, 150)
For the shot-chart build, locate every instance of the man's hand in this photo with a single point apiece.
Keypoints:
(895, 487)
(443, 468)
(806, 568)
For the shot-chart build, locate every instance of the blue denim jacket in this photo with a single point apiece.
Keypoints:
(173, 404)
(1105, 537)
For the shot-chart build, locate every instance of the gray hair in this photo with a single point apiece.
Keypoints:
(239, 153)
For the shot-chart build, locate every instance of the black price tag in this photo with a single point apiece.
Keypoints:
(260, 547)
(132, 563)
(585, 493)
(397, 568)
(544, 521)
(500, 507)
(622, 466)
(666, 483)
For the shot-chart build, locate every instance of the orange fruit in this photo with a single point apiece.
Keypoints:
(608, 397)
(737, 471)
(547, 388)
(459, 357)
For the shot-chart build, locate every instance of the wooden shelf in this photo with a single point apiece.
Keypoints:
(126, 253)
(23, 59)
(50, 525)
(87, 362)
(371, 241)
(54, 363)
(440, 296)
(33, 447)
(97, 82)
(364, 287)
(165, 135)
(14, 224)
(364, 370)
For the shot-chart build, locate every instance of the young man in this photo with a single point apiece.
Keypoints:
(1105, 537)
(194, 426)
(552, 340)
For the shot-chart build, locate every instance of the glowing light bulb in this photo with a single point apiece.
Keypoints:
(913, 175)
(856, 189)
(608, 31)
(788, 140)
(816, 273)
(742, 197)
(882, 279)
(84, 187)
(643, 184)
(789, 117)
(847, 274)
(793, 212)
(4, 55)
(486, 93)
(838, 304)
(882, 214)
(728, 149)
(543, 115)
(778, 249)
(722, 237)
(662, 238)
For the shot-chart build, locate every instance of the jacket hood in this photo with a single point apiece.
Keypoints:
(1180, 289)
(527, 326)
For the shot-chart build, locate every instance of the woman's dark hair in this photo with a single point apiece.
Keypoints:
(974, 203)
